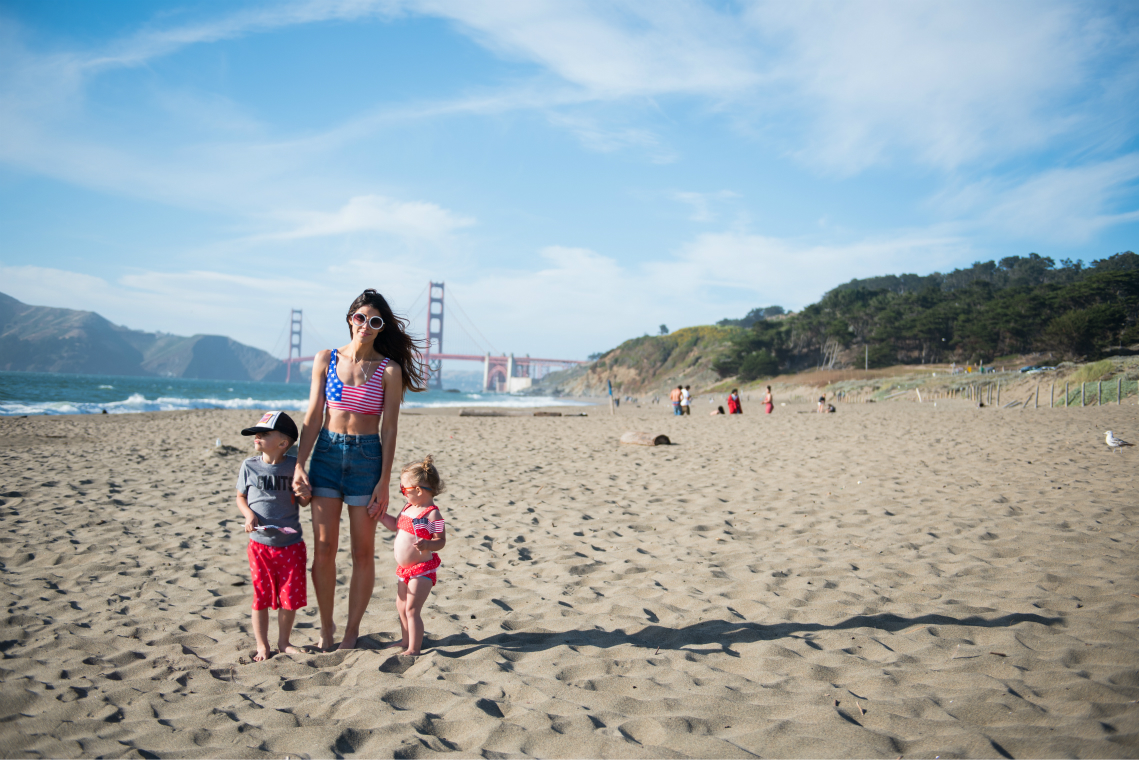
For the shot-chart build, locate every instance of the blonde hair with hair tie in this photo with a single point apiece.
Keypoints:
(425, 474)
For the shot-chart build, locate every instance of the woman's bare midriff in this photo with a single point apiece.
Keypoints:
(351, 423)
(406, 554)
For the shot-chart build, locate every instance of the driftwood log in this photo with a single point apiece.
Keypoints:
(547, 414)
(645, 439)
(485, 413)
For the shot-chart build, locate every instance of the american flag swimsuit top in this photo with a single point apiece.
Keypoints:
(360, 399)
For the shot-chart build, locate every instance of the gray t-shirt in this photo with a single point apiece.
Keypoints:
(269, 490)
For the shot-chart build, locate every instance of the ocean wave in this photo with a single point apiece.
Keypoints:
(138, 403)
(509, 402)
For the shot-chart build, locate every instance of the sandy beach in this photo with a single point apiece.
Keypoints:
(896, 579)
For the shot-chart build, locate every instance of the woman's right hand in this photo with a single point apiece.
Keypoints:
(300, 480)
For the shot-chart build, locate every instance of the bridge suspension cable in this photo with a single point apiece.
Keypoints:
(459, 322)
(320, 338)
(415, 315)
(277, 342)
(471, 322)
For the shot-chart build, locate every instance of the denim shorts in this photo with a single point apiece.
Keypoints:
(345, 467)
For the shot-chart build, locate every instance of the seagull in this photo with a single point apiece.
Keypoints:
(1116, 443)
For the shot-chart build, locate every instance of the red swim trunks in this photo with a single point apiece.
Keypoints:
(422, 570)
(279, 579)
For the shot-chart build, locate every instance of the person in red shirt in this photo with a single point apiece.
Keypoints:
(734, 402)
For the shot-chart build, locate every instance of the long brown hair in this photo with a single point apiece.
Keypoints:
(393, 341)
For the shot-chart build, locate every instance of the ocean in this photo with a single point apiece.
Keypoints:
(54, 393)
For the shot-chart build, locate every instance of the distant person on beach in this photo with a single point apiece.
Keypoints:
(352, 449)
(734, 406)
(768, 401)
(277, 554)
(677, 392)
(822, 405)
(717, 410)
(420, 534)
(686, 400)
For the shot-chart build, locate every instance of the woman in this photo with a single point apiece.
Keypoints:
(352, 451)
(734, 406)
(768, 401)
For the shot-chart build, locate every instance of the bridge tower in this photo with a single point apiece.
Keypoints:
(295, 322)
(434, 334)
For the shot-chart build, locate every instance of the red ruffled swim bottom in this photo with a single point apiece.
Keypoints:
(422, 570)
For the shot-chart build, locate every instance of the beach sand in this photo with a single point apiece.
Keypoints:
(893, 580)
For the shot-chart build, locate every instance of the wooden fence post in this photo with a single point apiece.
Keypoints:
(1066, 394)
(1099, 393)
(1036, 401)
(1119, 391)
(1083, 398)
(998, 394)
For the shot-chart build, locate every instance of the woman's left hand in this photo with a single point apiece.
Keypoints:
(378, 506)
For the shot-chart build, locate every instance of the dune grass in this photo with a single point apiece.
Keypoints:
(1089, 373)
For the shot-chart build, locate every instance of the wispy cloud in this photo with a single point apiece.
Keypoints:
(565, 301)
(1069, 205)
(613, 50)
(374, 213)
(701, 203)
(948, 84)
(156, 41)
(603, 138)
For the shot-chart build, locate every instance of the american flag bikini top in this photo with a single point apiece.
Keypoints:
(361, 399)
(420, 527)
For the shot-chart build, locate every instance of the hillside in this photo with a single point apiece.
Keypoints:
(1067, 313)
(646, 365)
(45, 339)
(1018, 306)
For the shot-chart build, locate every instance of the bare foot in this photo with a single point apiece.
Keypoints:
(262, 655)
(349, 642)
(409, 653)
(327, 639)
(401, 644)
(290, 649)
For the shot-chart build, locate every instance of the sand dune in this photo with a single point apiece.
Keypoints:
(895, 579)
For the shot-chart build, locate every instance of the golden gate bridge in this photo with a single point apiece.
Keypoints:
(504, 373)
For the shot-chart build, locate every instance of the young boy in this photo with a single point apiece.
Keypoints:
(277, 553)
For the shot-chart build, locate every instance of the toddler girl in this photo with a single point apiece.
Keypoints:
(419, 533)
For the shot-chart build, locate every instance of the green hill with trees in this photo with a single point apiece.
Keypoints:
(1016, 306)
(1019, 305)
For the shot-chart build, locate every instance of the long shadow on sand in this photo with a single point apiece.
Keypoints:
(720, 633)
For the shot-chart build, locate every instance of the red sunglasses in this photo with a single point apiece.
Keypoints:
(404, 490)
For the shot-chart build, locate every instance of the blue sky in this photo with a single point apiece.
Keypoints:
(577, 173)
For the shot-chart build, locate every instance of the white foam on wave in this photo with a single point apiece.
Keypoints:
(136, 402)
(476, 399)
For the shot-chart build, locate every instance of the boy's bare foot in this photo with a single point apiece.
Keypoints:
(262, 655)
(290, 649)
(326, 643)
